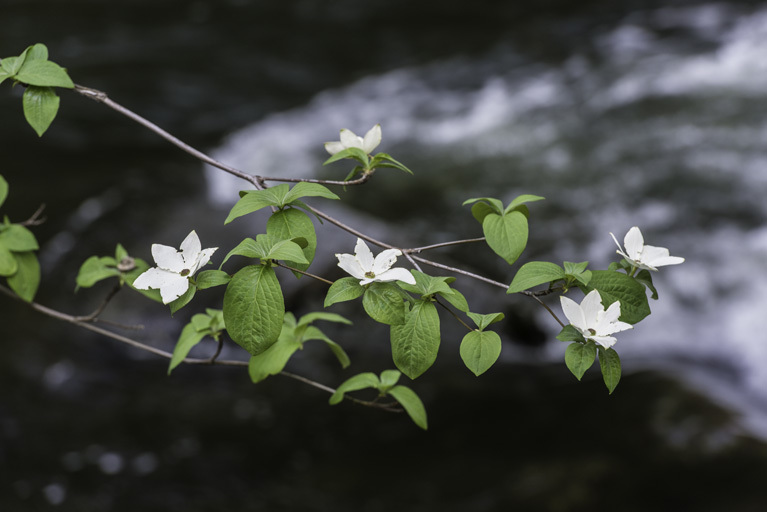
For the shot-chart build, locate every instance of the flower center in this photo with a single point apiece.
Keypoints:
(369, 274)
(185, 272)
(592, 332)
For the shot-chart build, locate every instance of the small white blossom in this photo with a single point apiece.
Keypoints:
(351, 140)
(367, 269)
(644, 256)
(174, 268)
(592, 320)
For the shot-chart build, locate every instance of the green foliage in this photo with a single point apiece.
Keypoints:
(211, 323)
(26, 279)
(415, 342)
(342, 290)
(254, 308)
(122, 266)
(384, 302)
(535, 273)
(480, 350)
(579, 357)
(615, 286)
(291, 224)
(268, 247)
(3, 189)
(18, 262)
(610, 364)
(570, 333)
(211, 278)
(279, 197)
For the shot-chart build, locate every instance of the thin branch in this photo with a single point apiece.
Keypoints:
(92, 317)
(443, 244)
(102, 97)
(359, 181)
(318, 278)
(461, 271)
(35, 219)
(460, 320)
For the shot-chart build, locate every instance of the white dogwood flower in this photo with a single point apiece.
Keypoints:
(174, 268)
(592, 320)
(644, 256)
(367, 269)
(351, 140)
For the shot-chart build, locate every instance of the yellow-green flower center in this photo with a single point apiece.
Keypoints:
(369, 275)
(185, 272)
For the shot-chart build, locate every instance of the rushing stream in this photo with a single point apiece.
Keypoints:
(649, 114)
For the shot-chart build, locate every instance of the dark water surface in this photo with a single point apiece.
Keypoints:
(86, 425)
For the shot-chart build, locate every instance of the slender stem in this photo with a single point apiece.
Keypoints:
(443, 244)
(102, 306)
(461, 271)
(318, 278)
(359, 181)
(460, 320)
(35, 219)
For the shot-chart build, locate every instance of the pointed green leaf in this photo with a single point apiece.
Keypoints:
(254, 308)
(456, 299)
(524, 198)
(579, 357)
(40, 107)
(210, 278)
(272, 360)
(305, 189)
(480, 350)
(383, 302)
(495, 204)
(353, 153)
(416, 342)
(3, 190)
(535, 273)
(610, 364)
(411, 403)
(8, 264)
(11, 65)
(389, 379)
(359, 381)
(645, 277)
(346, 288)
(321, 315)
(37, 52)
(287, 250)
(385, 160)
(17, 238)
(188, 339)
(248, 248)
(27, 277)
(120, 253)
(44, 73)
(291, 223)
(312, 333)
(613, 286)
(254, 200)
(483, 321)
(95, 269)
(570, 333)
(182, 301)
(506, 235)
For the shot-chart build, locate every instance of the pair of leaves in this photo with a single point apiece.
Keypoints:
(32, 68)
(579, 357)
(616, 286)
(367, 165)
(292, 338)
(386, 384)
(122, 266)
(268, 247)
(480, 349)
(536, 273)
(279, 197)
(18, 262)
(383, 302)
(506, 228)
(211, 323)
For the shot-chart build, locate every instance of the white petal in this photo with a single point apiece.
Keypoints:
(659, 256)
(385, 260)
(668, 260)
(608, 321)
(191, 244)
(203, 259)
(364, 255)
(592, 308)
(174, 288)
(152, 278)
(573, 312)
(350, 140)
(634, 243)
(396, 274)
(605, 341)
(171, 285)
(351, 265)
(372, 139)
(620, 249)
(167, 258)
(334, 147)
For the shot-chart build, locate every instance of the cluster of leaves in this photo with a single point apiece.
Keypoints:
(39, 75)
(18, 262)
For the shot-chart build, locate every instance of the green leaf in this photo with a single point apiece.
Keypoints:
(426, 285)
(187, 340)
(613, 286)
(524, 198)
(610, 364)
(483, 321)
(210, 278)
(346, 288)
(481, 210)
(506, 235)
(411, 403)
(37, 52)
(272, 360)
(353, 153)
(254, 200)
(130, 276)
(120, 253)
(3, 75)
(359, 381)
(44, 73)
(286, 250)
(385, 160)
(248, 248)
(389, 379)
(95, 269)
(535, 273)
(579, 357)
(3, 190)
(305, 189)
(495, 204)
(480, 350)
(312, 333)
(645, 277)
(182, 301)
(578, 271)
(383, 302)
(254, 308)
(40, 107)
(8, 264)
(570, 333)
(321, 315)
(416, 342)
(27, 277)
(17, 238)
(456, 299)
(291, 223)
(200, 322)
(11, 65)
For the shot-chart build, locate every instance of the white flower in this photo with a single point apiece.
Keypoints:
(367, 270)
(644, 256)
(174, 268)
(592, 320)
(351, 140)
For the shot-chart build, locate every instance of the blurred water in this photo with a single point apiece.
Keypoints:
(644, 130)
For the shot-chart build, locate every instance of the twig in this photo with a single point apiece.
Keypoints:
(460, 320)
(302, 272)
(92, 317)
(443, 244)
(35, 219)
(359, 181)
